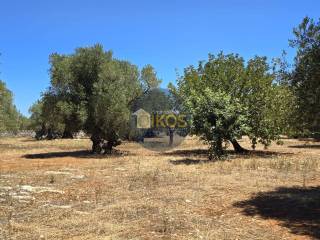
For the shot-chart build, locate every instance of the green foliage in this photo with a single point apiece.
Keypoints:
(117, 86)
(305, 79)
(229, 99)
(36, 118)
(10, 118)
(216, 118)
(92, 91)
(156, 99)
(149, 78)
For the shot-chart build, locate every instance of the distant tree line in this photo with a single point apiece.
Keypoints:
(11, 120)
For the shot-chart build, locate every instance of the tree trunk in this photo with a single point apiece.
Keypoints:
(171, 136)
(41, 134)
(107, 146)
(96, 144)
(102, 146)
(219, 149)
(216, 149)
(67, 134)
(237, 147)
(50, 134)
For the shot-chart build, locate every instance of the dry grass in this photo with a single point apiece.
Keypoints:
(56, 190)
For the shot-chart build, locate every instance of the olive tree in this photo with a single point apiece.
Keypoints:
(92, 91)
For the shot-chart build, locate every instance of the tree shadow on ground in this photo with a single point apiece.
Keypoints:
(29, 140)
(315, 146)
(205, 153)
(308, 139)
(75, 154)
(189, 161)
(297, 209)
(188, 153)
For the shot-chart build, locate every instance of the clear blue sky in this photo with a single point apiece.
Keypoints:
(167, 34)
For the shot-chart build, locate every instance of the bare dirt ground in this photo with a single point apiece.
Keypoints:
(57, 190)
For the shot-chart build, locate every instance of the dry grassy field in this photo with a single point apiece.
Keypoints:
(57, 190)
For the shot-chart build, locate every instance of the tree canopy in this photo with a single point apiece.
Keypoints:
(229, 98)
(305, 78)
(92, 91)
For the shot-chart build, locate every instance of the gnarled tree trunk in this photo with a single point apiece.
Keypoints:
(103, 146)
(50, 134)
(237, 147)
(97, 144)
(67, 134)
(216, 149)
